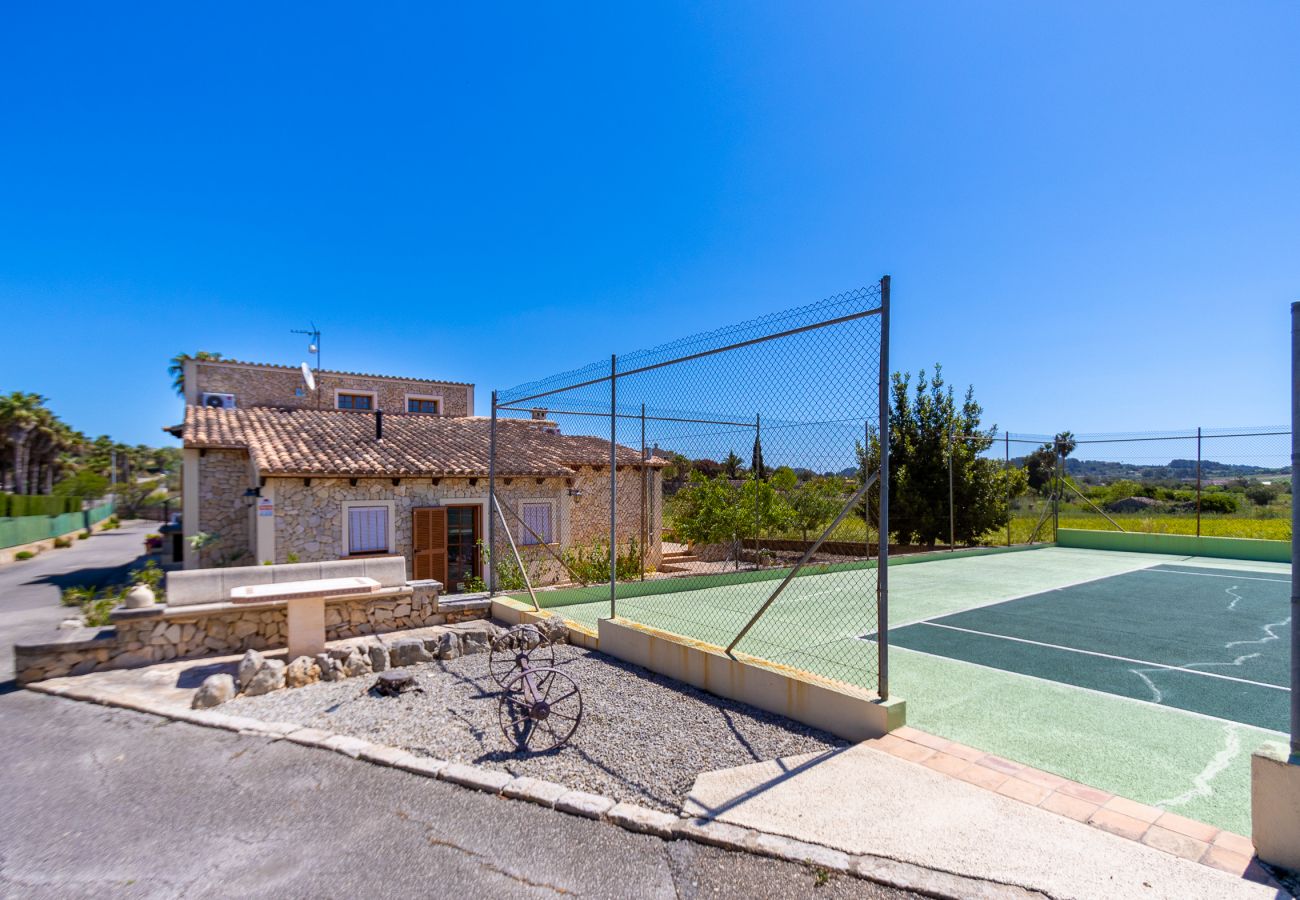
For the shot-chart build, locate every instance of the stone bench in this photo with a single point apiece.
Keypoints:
(201, 586)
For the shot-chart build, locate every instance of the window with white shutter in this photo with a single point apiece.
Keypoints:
(368, 529)
(538, 524)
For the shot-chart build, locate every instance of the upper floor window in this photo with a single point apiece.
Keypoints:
(355, 401)
(418, 405)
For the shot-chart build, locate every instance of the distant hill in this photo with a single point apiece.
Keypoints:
(1174, 470)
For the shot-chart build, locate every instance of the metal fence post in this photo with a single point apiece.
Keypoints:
(758, 468)
(1006, 469)
(492, 497)
(645, 521)
(1198, 480)
(613, 479)
(1295, 533)
(952, 509)
(882, 559)
(1056, 497)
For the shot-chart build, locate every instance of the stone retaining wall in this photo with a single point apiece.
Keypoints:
(140, 637)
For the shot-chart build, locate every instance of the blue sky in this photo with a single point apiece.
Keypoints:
(1090, 211)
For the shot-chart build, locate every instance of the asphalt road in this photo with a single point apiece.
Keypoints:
(30, 589)
(101, 802)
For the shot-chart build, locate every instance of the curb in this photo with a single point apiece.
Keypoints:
(551, 795)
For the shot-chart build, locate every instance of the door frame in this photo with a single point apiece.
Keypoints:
(480, 531)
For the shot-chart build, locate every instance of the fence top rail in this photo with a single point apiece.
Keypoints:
(846, 307)
(1124, 438)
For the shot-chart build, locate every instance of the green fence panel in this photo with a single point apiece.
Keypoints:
(15, 530)
(1177, 544)
(101, 512)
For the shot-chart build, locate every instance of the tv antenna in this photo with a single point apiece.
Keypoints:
(312, 347)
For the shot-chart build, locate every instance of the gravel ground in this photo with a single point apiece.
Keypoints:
(643, 738)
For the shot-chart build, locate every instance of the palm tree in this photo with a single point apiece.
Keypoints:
(1065, 443)
(19, 417)
(177, 368)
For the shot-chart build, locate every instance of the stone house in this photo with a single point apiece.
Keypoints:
(271, 476)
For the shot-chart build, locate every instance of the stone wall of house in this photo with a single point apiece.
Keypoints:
(636, 497)
(224, 511)
(309, 517)
(260, 385)
(143, 637)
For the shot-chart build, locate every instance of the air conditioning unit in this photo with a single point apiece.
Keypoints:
(217, 401)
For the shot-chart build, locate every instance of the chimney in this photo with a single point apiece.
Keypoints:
(539, 414)
(379, 424)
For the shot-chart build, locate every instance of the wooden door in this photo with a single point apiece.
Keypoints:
(429, 543)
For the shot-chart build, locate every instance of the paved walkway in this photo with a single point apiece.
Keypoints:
(900, 799)
(30, 589)
(865, 800)
(108, 802)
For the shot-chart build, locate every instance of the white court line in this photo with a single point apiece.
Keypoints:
(1034, 593)
(1107, 695)
(1129, 659)
(1209, 575)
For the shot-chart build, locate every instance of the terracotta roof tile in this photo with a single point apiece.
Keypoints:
(331, 442)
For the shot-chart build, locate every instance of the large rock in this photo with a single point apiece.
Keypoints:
(331, 669)
(448, 645)
(409, 651)
(378, 657)
(268, 678)
(356, 664)
(554, 629)
(302, 671)
(248, 667)
(476, 636)
(216, 689)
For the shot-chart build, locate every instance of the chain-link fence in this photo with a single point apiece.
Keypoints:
(1218, 482)
(723, 488)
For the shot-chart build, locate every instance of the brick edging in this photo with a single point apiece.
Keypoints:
(552, 795)
(1150, 826)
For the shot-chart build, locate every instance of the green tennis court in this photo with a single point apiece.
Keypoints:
(1108, 668)
(1201, 640)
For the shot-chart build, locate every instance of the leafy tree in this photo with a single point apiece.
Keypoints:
(708, 511)
(1262, 494)
(83, 483)
(921, 422)
(762, 508)
(814, 504)
(1040, 467)
(176, 368)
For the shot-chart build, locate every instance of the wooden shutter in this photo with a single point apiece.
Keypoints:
(429, 543)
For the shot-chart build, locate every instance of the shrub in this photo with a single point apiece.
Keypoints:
(590, 564)
(83, 535)
(76, 596)
(62, 543)
(95, 611)
(151, 576)
(1262, 494)
(24, 554)
(1218, 502)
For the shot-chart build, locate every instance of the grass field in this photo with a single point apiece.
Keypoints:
(1238, 525)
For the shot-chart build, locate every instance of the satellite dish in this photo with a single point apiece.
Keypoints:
(308, 377)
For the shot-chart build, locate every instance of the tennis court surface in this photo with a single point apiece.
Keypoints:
(1203, 640)
(1149, 676)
